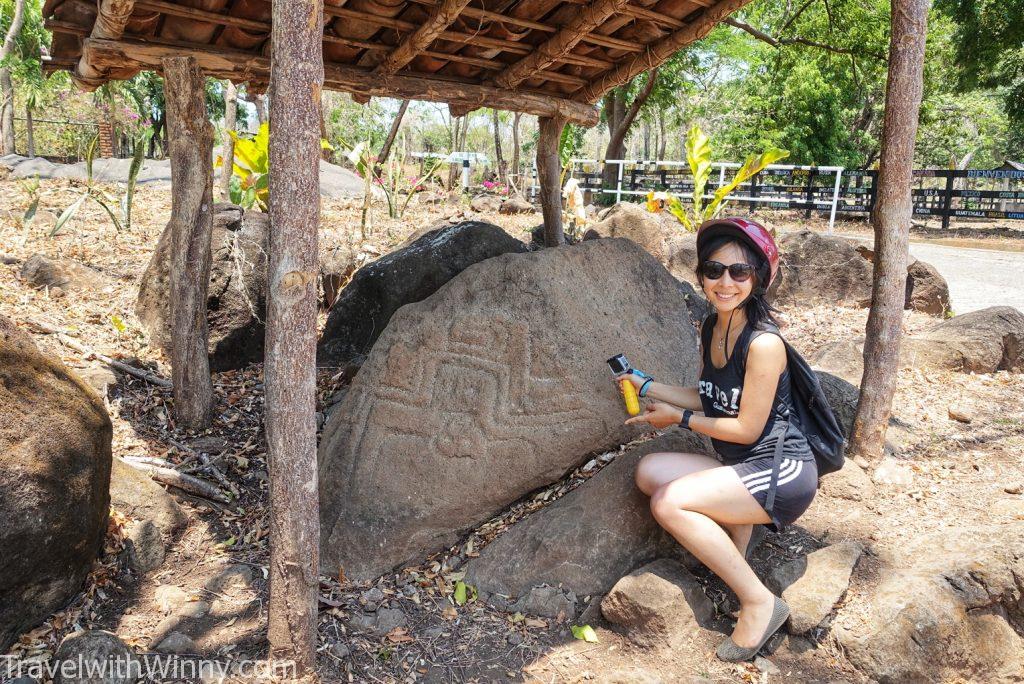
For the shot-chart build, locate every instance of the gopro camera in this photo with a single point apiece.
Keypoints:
(619, 364)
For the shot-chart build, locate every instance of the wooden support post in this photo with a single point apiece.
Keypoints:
(891, 219)
(296, 80)
(191, 226)
(549, 170)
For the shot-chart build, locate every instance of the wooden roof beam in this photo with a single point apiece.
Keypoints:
(441, 17)
(459, 36)
(559, 45)
(602, 41)
(700, 25)
(246, 66)
(111, 18)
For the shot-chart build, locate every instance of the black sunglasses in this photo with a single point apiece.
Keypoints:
(713, 270)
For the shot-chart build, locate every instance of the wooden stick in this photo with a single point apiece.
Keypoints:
(659, 52)
(546, 54)
(188, 483)
(243, 66)
(441, 17)
(87, 352)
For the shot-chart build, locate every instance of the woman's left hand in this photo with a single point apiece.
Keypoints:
(658, 414)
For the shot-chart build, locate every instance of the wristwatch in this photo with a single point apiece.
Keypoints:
(685, 422)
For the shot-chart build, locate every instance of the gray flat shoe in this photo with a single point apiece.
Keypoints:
(731, 653)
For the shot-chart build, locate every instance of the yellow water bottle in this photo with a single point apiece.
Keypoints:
(619, 365)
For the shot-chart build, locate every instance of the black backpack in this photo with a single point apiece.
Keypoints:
(814, 414)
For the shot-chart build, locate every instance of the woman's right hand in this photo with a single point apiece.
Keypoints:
(637, 380)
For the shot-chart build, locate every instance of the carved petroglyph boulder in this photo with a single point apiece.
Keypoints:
(491, 387)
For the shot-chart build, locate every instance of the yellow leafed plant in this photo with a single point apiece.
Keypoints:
(698, 156)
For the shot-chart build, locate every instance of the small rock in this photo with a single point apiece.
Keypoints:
(766, 666)
(371, 598)
(194, 609)
(8, 260)
(409, 591)
(814, 584)
(658, 601)
(97, 377)
(177, 643)
(433, 632)
(486, 203)
(144, 545)
(340, 650)
(362, 622)
(959, 415)
(170, 598)
(1014, 489)
(230, 577)
(209, 445)
(514, 639)
(549, 602)
(892, 472)
(388, 619)
(94, 648)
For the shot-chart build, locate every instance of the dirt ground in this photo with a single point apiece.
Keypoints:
(960, 471)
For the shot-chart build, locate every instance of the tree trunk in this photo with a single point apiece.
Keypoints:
(385, 150)
(891, 218)
(453, 169)
(30, 133)
(6, 84)
(230, 121)
(261, 108)
(499, 161)
(191, 226)
(647, 139)
(549, 170)
(516, 171)
(620, 118)
(297, 75)
(662, 141)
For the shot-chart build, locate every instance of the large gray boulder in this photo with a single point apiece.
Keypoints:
(945, 609)
(491, 387)
(981, 341)
(41, 271)
(590, 537)
(633, 221)
(237, 295)
(54, 483)
(821, 269)
(379, 289)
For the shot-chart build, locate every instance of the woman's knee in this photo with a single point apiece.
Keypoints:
(669, 500)
(646, 476)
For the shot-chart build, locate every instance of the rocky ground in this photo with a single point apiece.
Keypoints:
(954, 467)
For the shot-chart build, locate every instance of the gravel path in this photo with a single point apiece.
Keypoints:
(978, 278)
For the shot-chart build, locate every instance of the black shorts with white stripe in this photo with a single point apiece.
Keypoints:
(797, 485)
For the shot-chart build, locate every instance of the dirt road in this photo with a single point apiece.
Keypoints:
(978, 278)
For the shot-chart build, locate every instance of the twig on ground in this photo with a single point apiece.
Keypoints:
(192, 485)
(113, 363)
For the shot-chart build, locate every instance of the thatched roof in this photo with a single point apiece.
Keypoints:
(545, 57)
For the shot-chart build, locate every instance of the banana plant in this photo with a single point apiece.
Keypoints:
(698, 156)
(250, 169)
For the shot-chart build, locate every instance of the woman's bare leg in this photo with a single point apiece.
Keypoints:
(657, 469)
(693, 509)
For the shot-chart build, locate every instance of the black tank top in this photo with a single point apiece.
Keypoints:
(720, 390)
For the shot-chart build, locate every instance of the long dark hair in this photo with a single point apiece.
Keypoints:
(757, 308)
